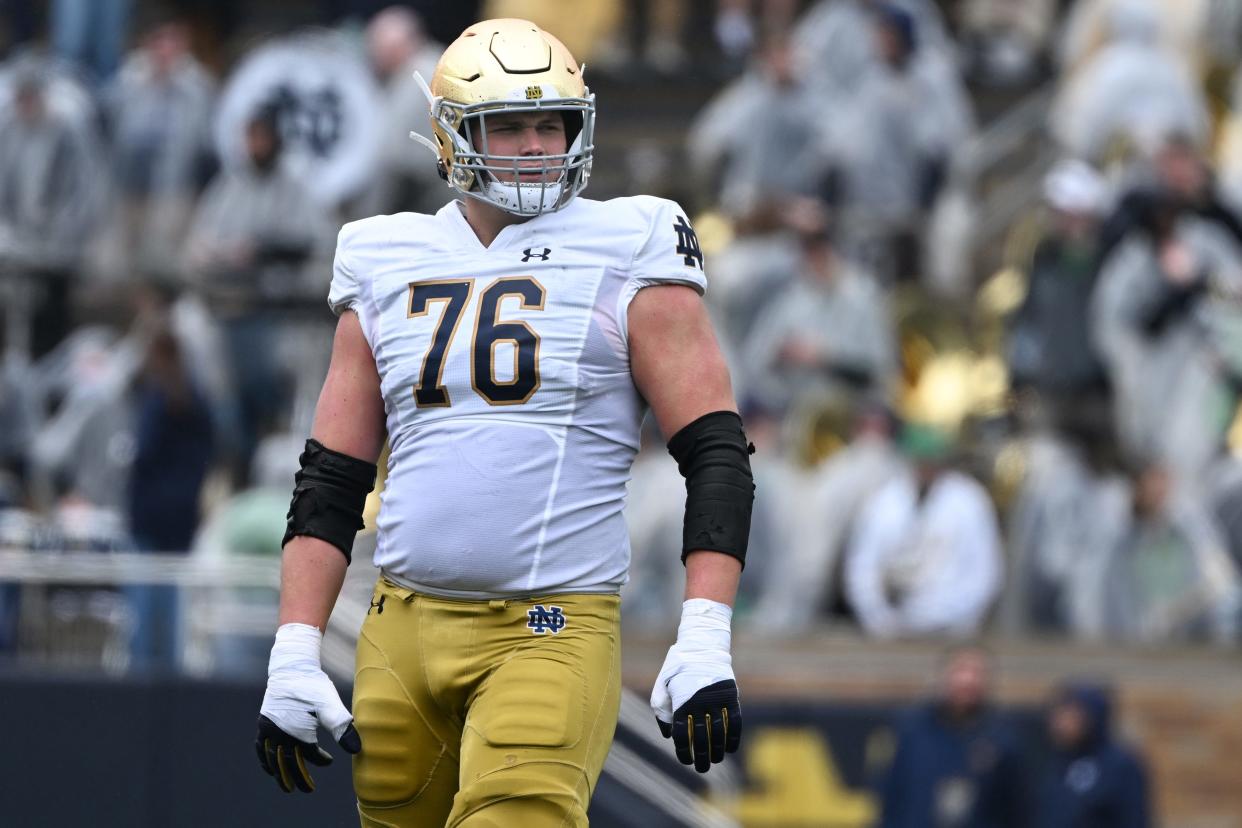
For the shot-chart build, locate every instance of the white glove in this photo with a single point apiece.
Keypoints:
(299, 698)
(695, 698)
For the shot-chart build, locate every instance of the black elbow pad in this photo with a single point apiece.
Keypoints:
(712, 453)
(329, 493)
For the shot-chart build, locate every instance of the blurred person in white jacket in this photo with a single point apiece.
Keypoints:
(50, 187)
(887, 144)
(1169, 577)
(1073, 509)
(834, 38)
(1133, 91)
(828, 336)
(757, 137)
(805, 569)
(925, 556)
(1167, 317)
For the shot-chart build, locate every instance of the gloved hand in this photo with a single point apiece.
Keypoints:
(695, 697)
(299, 698)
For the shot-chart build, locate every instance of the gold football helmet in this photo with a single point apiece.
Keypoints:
(509, 66)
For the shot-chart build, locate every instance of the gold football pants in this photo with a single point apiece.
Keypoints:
(484, 713)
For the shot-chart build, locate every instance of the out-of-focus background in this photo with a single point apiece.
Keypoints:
(977, 268)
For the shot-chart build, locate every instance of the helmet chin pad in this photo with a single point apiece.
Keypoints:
(524, 199)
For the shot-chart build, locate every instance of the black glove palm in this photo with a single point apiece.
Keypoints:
(707, 726)
(285, 757)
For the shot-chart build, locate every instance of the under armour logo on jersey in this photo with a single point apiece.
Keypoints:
(529, 253)
(540, 620)
(688, 243)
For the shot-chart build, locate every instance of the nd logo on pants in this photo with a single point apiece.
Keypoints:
(484, 713)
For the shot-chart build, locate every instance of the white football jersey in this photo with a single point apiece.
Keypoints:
(512, 416)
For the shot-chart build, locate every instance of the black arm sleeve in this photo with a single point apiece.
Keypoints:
(713, 455)
(329, 493)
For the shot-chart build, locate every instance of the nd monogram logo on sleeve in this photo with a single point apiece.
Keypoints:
(540, 620)
(688, 243)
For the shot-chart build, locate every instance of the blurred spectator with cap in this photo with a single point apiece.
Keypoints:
(925, 553)
(406, 179)
(159, 109)
(1093, 781)
(956, 763)
(1050, 348)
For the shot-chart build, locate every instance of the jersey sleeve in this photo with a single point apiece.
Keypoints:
(345, 292)
(669, 254)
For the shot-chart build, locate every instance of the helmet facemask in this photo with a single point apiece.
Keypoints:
(526, 185)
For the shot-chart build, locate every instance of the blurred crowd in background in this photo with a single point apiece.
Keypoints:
(977, 267)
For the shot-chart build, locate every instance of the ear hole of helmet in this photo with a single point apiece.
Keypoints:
(573, 125)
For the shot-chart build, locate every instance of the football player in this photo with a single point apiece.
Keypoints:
(508, 348)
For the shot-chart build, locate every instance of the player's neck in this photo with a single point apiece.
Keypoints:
(487, 221)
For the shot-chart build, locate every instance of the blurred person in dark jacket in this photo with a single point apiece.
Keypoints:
(1178, 175)
(956, 764)
(174, 451)
(90, 33)
(1094, 781)
(1050, 347)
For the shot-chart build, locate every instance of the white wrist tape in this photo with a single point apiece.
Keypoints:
(297, 648)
